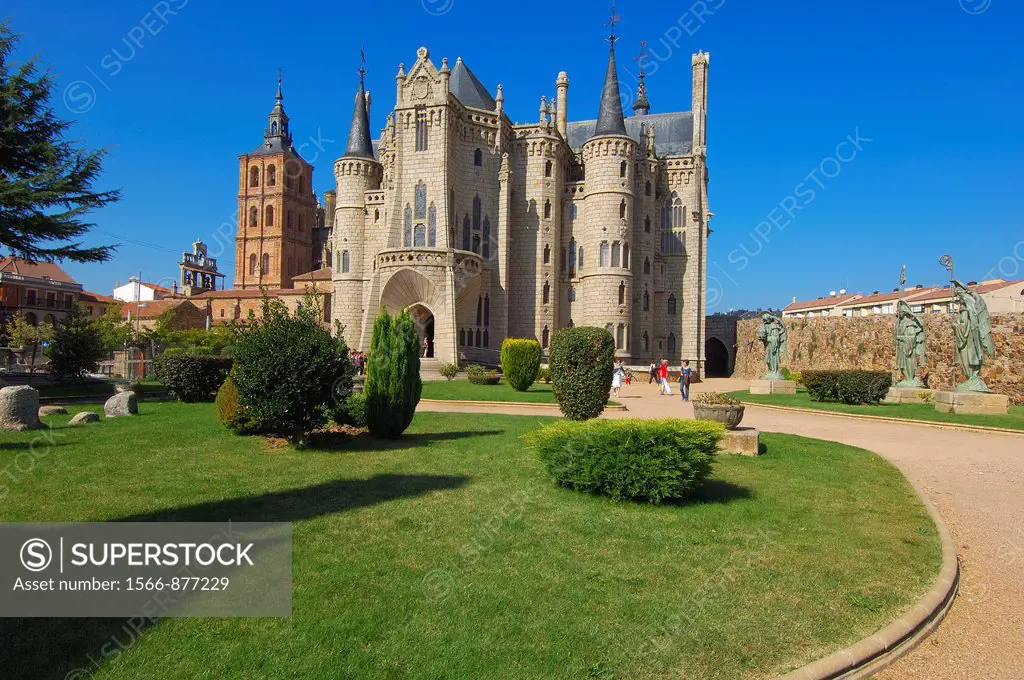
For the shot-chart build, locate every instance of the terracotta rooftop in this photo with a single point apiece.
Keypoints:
(36, 270)
(820, 303)
(86, 296)
(149, 310)
(318, 275)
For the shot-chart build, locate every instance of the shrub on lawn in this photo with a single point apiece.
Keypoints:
(352, 411)
(649, 460)
(289, 369)
(191, 377)
(544, 375)
(581, 369)
(448, 371)
(520, 362)
(848, 387)
(230, 413)
(478, 375)
(393, 384)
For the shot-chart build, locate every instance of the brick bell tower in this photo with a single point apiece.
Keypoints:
(276, 209)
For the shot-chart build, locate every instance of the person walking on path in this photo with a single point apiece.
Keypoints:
(685, 373)
(663, 386)
(652, 373)
(617, 374)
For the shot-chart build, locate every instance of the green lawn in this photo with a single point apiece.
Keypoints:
(463, 390)
(1013, 420)
(449, 555)
(93, 389)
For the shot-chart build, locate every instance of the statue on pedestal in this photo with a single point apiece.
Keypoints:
(972, 331)
(772, 334)
(910, 346)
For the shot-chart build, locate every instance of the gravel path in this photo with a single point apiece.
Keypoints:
(976, 480)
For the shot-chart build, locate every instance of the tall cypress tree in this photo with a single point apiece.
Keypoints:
(393, 386)
(45, 180)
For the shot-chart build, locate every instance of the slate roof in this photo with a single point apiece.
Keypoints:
(673, 132)
(468, 89)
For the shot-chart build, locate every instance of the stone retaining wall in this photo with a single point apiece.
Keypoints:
(867, 343)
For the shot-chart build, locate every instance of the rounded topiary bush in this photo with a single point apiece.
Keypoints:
(226, 403)
(581, 370)
(448, 371)
(631, 459)
(520, 362)
(192, 377)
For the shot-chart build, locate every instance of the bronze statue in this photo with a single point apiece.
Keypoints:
(972, 330)
(910, 345)
(772, 334)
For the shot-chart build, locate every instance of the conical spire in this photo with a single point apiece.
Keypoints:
(641, 107)
(609, 117)
(359, 144)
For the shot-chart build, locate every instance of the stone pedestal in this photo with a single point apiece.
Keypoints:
(972, 403)
(743, 441)
(772, 387)
(909, 395)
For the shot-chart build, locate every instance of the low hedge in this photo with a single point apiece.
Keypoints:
(478, 375)
(630, 459)
(448, 371)
(192, 377)
(848, 387)
(520, 362)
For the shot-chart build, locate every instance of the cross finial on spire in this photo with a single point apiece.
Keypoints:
(639, 59)
(280, 77)
(362, 64)
(615, 18)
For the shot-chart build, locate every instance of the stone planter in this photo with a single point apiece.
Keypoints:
(730, 416)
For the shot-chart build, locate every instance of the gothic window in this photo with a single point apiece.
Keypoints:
(254, 176)
(625, 255)
(465, 234)
(622, 210)
(672, 304)
(622, 169)
(615, 254)
(647, 301)
(337, 262)
(647, 224)
(487, 310)
(477, 213)
(561, 260)
(572, 254)
(671, 344)
(271, 176)
(573, 212)
(268, 216)
(478, 157)
(421, 129)
(252, 265)
(480, 311)
(647, 265)
(421, 201)
(620, 337)
(419, 239)
(407, 231)
(547, 169)
(547, 254)
(254, 217)
(622, 293)
(344, 262)
(545, 336)
(579, 260)
(486, 250)
(273, 128)
(547, 210)
(647, 189)
(547, 293)
(478, 343)
(462, 337)
(265, 271)
(432, 227)
(572, 295)
(476, 243)
(647, 342)
(602, 258)
(487, 338)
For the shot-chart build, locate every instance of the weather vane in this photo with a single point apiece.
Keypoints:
(616, 18)
(639, 59)
(362, 62)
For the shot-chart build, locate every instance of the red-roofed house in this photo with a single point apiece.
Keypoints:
(140, 291)
(181, 314)
(39, 291)
(823, 306)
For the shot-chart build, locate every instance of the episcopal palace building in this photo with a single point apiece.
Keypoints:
(485, 229)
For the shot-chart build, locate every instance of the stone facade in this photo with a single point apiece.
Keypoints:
(485, 229)
(867, 343)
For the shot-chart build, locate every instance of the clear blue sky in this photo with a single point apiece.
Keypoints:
(936, 85)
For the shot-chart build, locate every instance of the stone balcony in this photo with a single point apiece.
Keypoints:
(465, 265)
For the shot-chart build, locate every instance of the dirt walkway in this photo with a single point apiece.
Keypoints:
(976, 480)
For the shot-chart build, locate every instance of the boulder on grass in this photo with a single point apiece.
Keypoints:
(85, 417)
(19, 409)
(121, 404)
(52, 411)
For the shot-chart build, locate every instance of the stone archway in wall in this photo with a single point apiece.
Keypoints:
(716, 359)
(425, 299)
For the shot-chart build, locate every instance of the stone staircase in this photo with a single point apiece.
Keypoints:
(429, 368)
